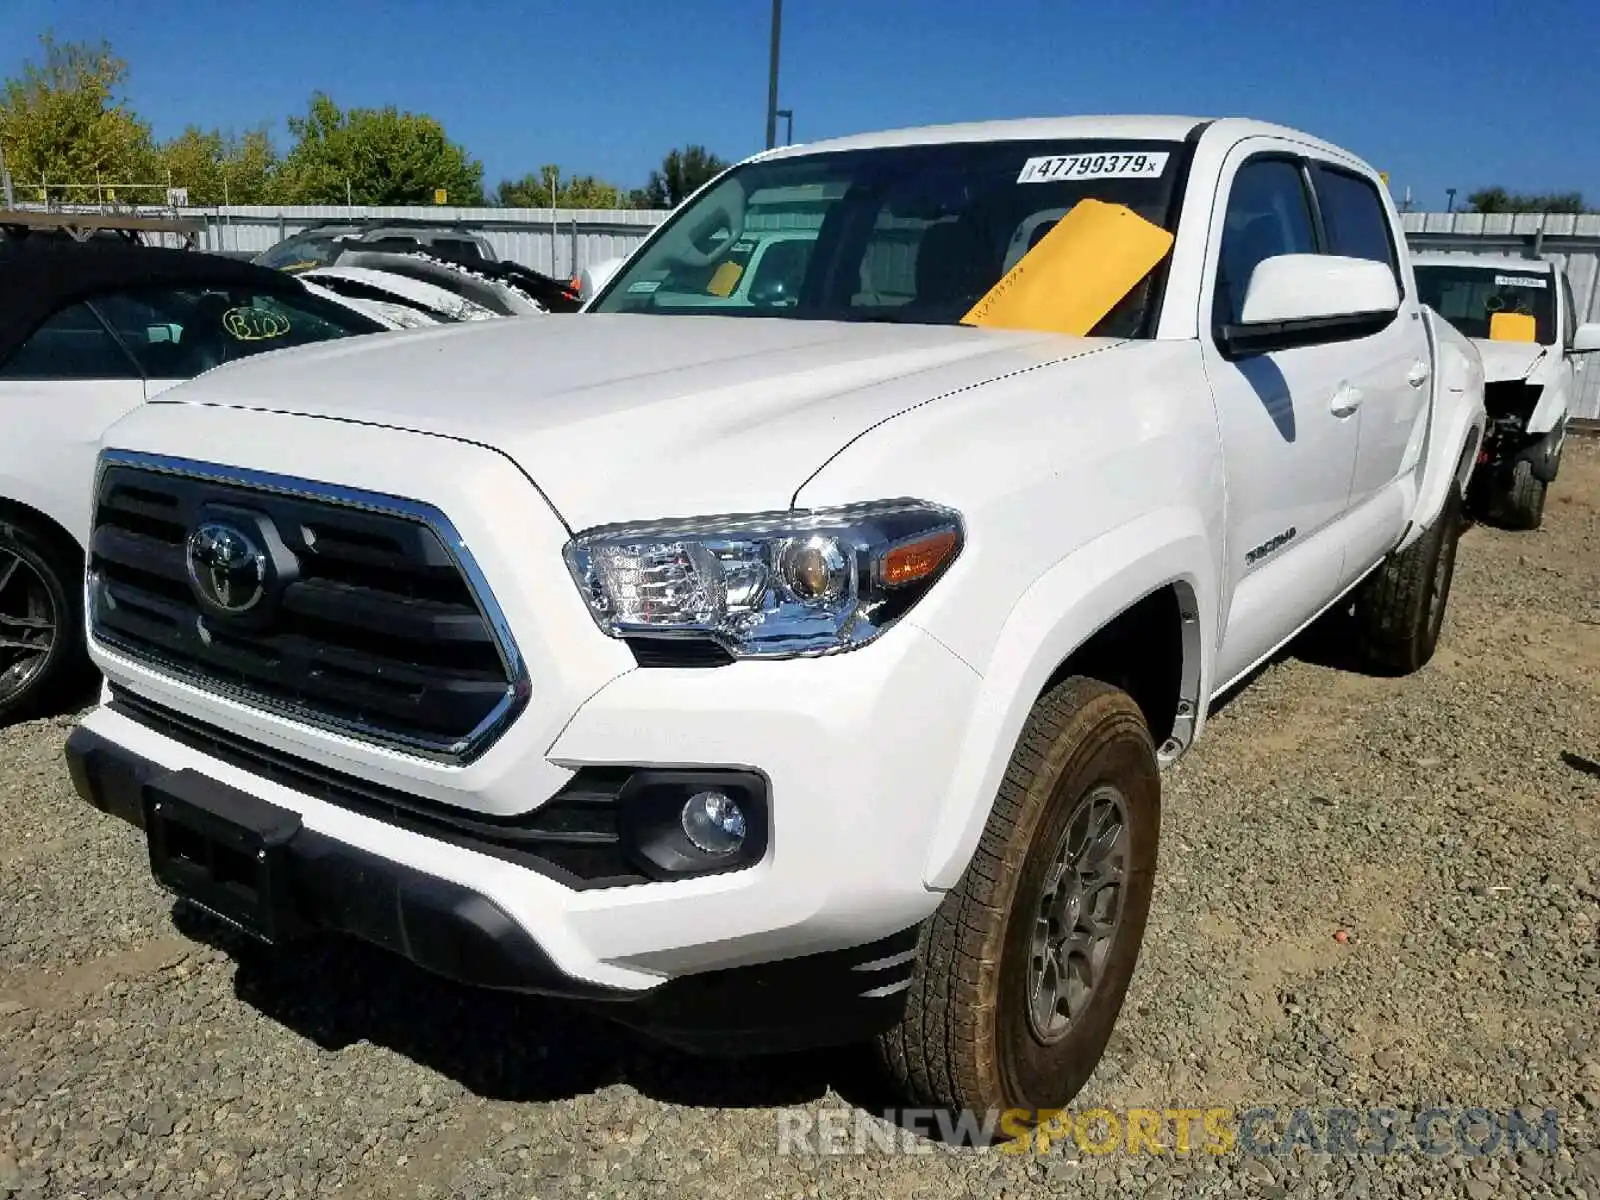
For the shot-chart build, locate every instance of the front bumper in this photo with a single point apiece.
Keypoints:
(323, 885)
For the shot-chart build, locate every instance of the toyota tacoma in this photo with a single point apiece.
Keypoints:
(773, 674)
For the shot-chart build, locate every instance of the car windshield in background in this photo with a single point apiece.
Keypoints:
(315, 250)
(176, 333)
(1468, 296)
(915, 234)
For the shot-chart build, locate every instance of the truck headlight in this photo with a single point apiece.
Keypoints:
(773, 585)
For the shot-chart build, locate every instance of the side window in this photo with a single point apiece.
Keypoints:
(176, 333)
(1354, 218)
(72, 344)
(781, 271)
(1267, 215)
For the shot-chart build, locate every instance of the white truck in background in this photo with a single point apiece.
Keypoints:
(799, 670)
(1532, 369)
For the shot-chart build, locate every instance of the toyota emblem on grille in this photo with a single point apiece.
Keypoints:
(227, 567)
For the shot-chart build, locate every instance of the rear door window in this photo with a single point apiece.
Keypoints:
(1353, 217)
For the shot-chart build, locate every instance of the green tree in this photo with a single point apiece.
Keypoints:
(682, 173)
(374, 156)
(64, 121)
(1498, 200)
(217, 169)
(578, 191)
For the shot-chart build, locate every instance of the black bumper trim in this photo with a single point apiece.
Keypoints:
(828, 998)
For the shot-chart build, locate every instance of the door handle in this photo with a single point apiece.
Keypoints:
(1345, 401)
(1418, 375)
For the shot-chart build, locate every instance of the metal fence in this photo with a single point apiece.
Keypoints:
(1572, 241)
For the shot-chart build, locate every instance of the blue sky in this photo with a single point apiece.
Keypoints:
(1438, 94)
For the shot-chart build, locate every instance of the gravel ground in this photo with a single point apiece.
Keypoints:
(1373, 894)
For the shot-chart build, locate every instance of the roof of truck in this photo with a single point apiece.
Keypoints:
(1134, 127)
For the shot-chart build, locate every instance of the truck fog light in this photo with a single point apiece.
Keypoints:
(713, 822)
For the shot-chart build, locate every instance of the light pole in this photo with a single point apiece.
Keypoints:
(772, 75)
(788, 125)
(1450, 196)
(5, 178)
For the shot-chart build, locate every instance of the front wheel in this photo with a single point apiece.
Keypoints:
(1023, 968)
(1518, 502)
(41, 617)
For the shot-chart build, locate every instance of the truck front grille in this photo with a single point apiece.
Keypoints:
(359, 613)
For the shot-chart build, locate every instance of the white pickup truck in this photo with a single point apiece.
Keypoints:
(799, 673)
(1530, 377)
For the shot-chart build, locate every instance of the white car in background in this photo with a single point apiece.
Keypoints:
(1530, 378)
(88, 333)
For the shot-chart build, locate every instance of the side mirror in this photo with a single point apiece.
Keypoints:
(1586, 339)
(595, 277)
(1305, 299)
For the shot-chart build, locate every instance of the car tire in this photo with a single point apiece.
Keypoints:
(972, 1036)
(41, 604)
(1399, 610)
(1518, 503)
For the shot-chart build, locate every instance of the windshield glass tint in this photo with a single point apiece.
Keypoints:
(915, 234)
(1468, 296)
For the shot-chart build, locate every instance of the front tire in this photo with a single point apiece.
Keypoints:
(42, 656)
(1023, 968)
(1399, 610)
(1518, 503)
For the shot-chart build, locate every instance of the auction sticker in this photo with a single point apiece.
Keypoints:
(1054, 168)
(1528, 281)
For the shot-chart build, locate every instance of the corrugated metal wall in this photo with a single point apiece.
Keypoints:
(1570, 240)
(559, 242)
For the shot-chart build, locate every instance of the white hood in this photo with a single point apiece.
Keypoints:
(629, 417)
(1508, 360)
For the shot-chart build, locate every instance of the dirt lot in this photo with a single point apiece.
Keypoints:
(1373, 893)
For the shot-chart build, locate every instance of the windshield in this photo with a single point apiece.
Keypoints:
(298, 253)
(913, 233)
(1467, 297)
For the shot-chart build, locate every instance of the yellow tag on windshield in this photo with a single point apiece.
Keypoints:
(725, 280)
(1079, 271)
(1512, 327)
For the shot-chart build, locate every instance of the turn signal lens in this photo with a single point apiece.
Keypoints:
(919, 559)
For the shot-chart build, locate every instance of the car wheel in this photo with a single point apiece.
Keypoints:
(1519, 502)
(1023, 968)
(42, 655)
(1399, 610)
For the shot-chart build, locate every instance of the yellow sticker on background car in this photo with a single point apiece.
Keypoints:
(254, 324)
(1076, 274)
(725, 280)
(1512, 327)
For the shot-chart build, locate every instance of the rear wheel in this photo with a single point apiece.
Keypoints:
(1399, 610)
(42, 656)
(1023, 968)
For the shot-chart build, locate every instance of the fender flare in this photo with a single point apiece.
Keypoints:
(1065, 607)
(1550, 412)
(1454, 436)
